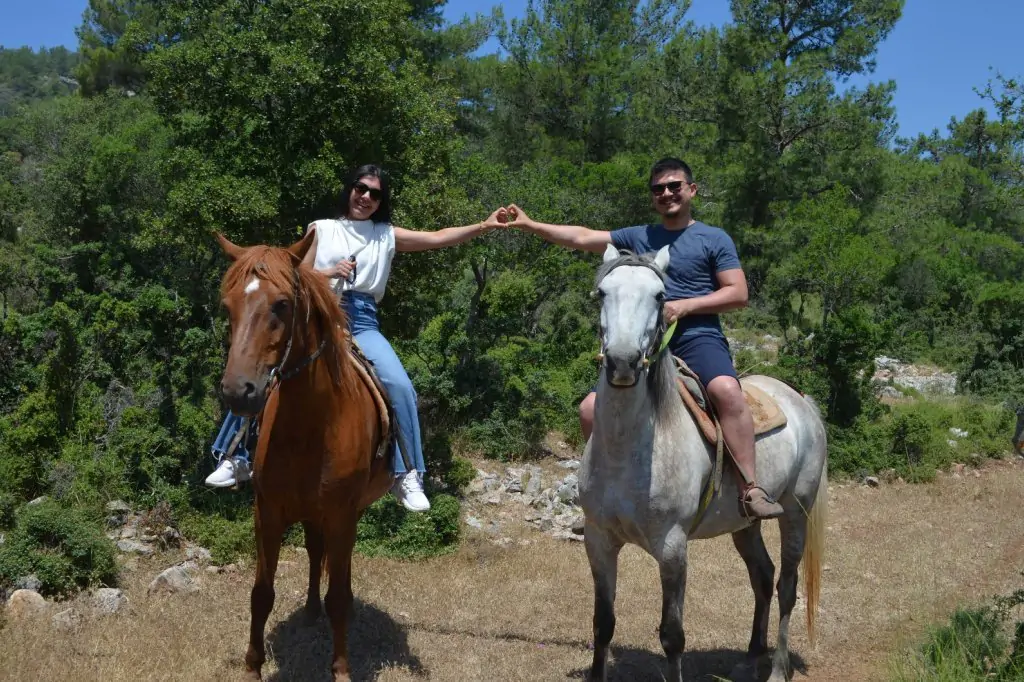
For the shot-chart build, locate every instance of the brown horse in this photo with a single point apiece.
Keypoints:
(314, 463)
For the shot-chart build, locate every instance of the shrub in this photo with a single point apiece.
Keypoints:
(63, 547)
(388, 529)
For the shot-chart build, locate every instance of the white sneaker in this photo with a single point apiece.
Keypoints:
(408, 489)
(231, 472)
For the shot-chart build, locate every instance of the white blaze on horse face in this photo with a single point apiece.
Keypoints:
(252, 286)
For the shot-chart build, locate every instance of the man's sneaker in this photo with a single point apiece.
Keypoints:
(231, 472)
(409, 491)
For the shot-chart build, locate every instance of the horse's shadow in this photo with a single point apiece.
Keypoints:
(627, 664)
(375, 641)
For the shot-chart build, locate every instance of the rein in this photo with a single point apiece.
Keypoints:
(663, 333)
(277, 375)
(713, 486)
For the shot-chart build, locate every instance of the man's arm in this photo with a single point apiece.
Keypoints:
(731, 295)
(570, 236)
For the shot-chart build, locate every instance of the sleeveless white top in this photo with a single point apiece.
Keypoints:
(373, 245)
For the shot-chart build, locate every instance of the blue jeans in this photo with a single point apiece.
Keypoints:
(228, 430)
(361, 310)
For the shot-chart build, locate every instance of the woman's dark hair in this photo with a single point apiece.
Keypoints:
(383, 212)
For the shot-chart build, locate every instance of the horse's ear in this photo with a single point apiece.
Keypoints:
(610, 253)
(232, 251)
(301, 247)
(661, 260)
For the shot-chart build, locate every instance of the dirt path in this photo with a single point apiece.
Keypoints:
(898, 557)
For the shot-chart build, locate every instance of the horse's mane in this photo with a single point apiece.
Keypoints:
(661, 379)
(317, 305)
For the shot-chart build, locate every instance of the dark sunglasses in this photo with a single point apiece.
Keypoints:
(375, 194)
(673, 187)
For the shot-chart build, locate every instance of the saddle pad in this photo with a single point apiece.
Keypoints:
(765, 411)
(364, 369)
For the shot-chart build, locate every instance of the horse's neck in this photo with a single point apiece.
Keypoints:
(623, 419)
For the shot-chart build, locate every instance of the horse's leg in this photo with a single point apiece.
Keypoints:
(793, 531)
(672, 566)
(315, 550)
(603, 554)
(341, 538)
(269, 531)
(750, 544)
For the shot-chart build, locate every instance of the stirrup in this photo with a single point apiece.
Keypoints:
(745, 492)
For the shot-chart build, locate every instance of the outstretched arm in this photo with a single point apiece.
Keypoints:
(570, 236)
(414, 240)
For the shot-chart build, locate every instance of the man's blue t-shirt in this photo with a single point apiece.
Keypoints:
(696, 254)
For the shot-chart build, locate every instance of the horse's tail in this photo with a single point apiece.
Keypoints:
(814, 550)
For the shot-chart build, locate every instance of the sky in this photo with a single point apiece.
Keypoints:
(939, 51)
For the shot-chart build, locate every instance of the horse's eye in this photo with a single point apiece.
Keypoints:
(600, 293)
(279, 308)
(660, 297)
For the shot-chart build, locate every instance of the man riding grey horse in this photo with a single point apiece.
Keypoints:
(704, 279)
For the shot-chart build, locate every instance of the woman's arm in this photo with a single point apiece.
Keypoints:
(342, 269)
(414, 240)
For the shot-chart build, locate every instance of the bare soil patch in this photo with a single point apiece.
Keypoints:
(898, 557)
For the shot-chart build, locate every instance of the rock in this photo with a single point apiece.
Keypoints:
(578, 526)
(28, 582)
(919, 378)
(214, 570)
(170, 537)
(571, 464)
(109, 600)
(175, 580)
(118, 506)
(128, 532)
(533, 480)
(887, 475)
(39, 500)
(951, 443)
(133, 547)
(569, 520)
(197, 553)
(25, 604)
(545, 523)
(68, 619)
(959, 433)
(958, 468)
(569, 490)
(871, 481)
(567, 535)
(474, 522)
(890, 392)
(513, 482)
(494, 498)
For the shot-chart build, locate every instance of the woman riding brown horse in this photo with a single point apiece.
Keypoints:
(314, 462)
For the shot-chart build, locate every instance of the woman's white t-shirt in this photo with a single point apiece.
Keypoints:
(372, 244)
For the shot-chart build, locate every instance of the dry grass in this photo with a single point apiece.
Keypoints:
(897, 557)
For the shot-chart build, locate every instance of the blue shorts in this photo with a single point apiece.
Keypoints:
(706, 354)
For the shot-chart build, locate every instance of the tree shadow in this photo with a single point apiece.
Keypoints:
(375, 641)
(628, 664)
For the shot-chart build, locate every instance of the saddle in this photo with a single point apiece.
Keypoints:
(766, 412)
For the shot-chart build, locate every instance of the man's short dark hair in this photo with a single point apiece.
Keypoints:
(670, 163)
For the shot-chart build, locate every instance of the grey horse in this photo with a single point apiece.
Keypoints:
(646, 465)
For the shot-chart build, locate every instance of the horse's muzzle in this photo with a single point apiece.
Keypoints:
(623, 372)
(243, 396)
